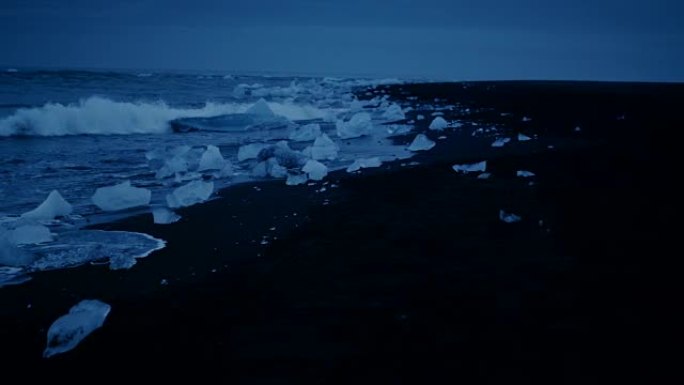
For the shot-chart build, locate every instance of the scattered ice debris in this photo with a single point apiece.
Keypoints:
(393, 113)
(484, 175)
(211, 159)
(250, 151)
(121, 196)
(296, 179)
(190, 194)
(260, 108)
(500, 142)
(438, 124)
(524, 174)
(29, 234)
(70, 329)
(578, 129)
(442, 137)
(420, 117)
(364, 163)
(508, 217)
(164, 282)
(470, 167)
(324, 148)
(315, 169)
(306, 133)
(523, 138)
(421, 143)
(359, 125)
(526, 119)
(164, 216)
(53, 206)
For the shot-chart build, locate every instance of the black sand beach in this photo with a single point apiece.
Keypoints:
(404, 274)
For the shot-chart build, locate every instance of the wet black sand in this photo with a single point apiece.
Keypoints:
(405, 274)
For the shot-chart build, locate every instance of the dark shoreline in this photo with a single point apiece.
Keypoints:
(407, 275)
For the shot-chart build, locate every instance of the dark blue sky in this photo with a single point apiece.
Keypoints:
(456, 39)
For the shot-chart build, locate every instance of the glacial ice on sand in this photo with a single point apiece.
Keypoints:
(164, 216)
(260, 108)
(324, 148)
(274, 169)
(250, 151)
(296, 179)
(484, 175)
(471, 167)
(286, 157)
(315, 169)
(359, 125)
(190, 194)
(508, 217)
(421, 143)
(524, 174)
(306, 133)
(500, 142)
(393, 113)
(11, 255)
(211, 159)
(439, 124)
(121, 196)
(70, 329)
(29, 234)
(54, 206)
(523, 138)
(364, 163)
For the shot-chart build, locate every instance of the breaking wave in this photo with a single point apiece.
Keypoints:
(102, 116)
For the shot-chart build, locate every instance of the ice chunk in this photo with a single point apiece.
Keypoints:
(315, 170)
(121, 196)
(359, 125)
(364, 163)
(393, 113)
(306, 133)
(53, 206)
(439, 124)
(286, 157)
(421, 143)
(190, 194)
(30, 234)
(11, 255)
(578, 129)
(508, 217)
(324, 148)
(524, 174)
(471, 167)
(211, 159)
(250, 151)
(420, 117)
(70, 329)
(274, 169)
(164, 216)
(523, 138)
(500, 142)
(484, 175)
(526, 119)
(260, 108)
(296, 179)
(260, 170)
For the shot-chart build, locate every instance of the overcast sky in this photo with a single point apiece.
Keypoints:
(446, 39)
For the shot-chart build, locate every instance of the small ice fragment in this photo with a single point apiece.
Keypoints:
(306, 133)
(508, 217)
(260, 108)
(484, 175)
(70, 329)
(550, 146)
(364, 163)
(524, 174)
(324, 148)
(578, 129)
(53, 206)
(29, 235)
(164, 216)
(500, 142)
(526, 119)
(296, 179)
(470, 167)
(420, 117)
(523, 138)
(164, 282)
(359, 125)
(439, 124)
(421, 143)
(441, 137)
(315, 169)
(121, 196)
(250, 151)
(190, 194)
(211, 159)
(393, 113)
